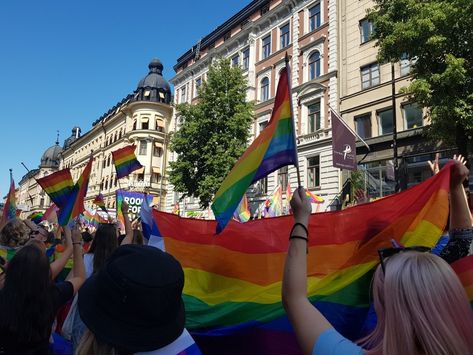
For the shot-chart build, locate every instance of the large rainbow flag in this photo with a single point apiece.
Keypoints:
(232, 288)
(464, 270)
(9, 209)
(75, 202)
(58, 186)
(273, 148)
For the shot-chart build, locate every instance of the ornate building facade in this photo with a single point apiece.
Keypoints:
(257, 38)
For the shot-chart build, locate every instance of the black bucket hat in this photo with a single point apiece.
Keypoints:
(134, 302)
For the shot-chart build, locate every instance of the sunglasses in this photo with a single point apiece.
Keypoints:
(388, 252)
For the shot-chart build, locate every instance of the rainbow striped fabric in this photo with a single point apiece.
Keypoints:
(275, 203)
(9, 209)
(125, 161)
(58, 186)
(464, 270)
(313, 197)
(242, 213)
(36, 217)
(232, 289)
(273, 148)
(75, 202)
(100, 202)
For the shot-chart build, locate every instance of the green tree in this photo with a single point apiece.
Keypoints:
(438, 36)
(213, 134)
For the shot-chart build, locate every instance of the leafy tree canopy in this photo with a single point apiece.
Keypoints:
(213, 134)
(438, 37)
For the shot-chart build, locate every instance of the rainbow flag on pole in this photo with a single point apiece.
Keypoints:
(99, 201)
(36, 217)
(58, 186)
(125, 161)
(273, 148)
(9, 209)
(75, 202)
(232, 289)
(275, 203)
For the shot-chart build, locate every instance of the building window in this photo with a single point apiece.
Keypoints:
(314, 17)
(283, 177)
(284, 36)
(313, 172)
(413, 116)
(369, 75)
(262, 186)
(313, 117)
(143, 147)
(385, 119)
(145, 123)
(141, 177)
(246, 59)
(405, 64)
(235, 60)
(158, 151)
(134, 125)
(183, 94)
(262, 126)
(155, 177)
(363, 126)
(314, 65)
(264, 90)
(198, 84)
(366, 28)
(266, 46)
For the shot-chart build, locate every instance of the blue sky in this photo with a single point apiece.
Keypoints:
(65, 63)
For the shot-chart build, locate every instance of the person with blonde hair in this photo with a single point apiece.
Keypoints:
(420, 303)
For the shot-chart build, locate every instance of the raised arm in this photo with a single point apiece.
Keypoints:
(58, 264)
(78, 268)
(128, 230)
(461, 232)
(307, 321)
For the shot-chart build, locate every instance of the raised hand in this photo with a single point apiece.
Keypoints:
(434, 165)
(459, 171)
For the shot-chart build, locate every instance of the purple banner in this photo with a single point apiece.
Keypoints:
(343, 144)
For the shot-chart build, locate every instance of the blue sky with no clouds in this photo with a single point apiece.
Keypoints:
(64, 63)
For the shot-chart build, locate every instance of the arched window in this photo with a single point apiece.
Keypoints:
(314, 65)
(264, 89)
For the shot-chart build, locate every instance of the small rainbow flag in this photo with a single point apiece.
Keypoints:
(273, 148)
(9, 209)
(58, 186)
(125, 161)
(36, 217)
(75, 202)
(176, 209)
(313, 197)
(288, 197)
(99, 201)
(464, 270)
(275, 203)
(242, 213)
(48, 214)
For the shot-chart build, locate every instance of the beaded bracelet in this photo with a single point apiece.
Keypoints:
(303, 227)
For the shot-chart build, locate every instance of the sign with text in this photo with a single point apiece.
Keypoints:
(343, 144)
(134, 201)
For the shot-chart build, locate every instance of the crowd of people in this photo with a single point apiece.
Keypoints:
(102, 306)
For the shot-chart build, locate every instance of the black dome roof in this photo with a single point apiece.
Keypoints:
(50, 158)
(150, 87)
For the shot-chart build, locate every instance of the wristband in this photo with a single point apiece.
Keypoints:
(303, 227)
(298, 237)
(73, 243)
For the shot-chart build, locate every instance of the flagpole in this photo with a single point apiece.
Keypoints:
(299, 184)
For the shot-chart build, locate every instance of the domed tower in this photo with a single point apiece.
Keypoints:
(153, 87)
(50, 158)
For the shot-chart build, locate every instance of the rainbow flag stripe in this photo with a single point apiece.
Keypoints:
(75, 203)
(36, 217)
(9, 209)
(242, 213)
(232, 289)
(58, 186)
(313, 197)
(273, 148)
(275, 203)
(464, 270)
(125, 161)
